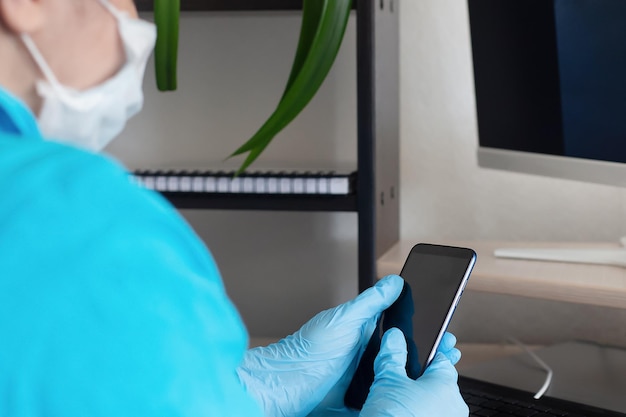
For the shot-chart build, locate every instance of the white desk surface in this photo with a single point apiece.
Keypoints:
(578, 283)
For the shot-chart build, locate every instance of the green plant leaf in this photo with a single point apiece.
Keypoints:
(166, 17)
(313, 70)
(311, 16)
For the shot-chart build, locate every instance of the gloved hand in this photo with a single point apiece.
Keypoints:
(393, 394)
(291, 377)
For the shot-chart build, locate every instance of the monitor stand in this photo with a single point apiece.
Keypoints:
(602, 256)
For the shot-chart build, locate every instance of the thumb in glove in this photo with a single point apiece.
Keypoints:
(394, 394)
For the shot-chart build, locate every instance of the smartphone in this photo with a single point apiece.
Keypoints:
(435, 277)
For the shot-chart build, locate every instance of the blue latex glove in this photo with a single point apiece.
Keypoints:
(292, 377)
(394, 394)
(446, 346)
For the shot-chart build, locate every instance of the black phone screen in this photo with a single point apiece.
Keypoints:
(434, 275)
(434, 278)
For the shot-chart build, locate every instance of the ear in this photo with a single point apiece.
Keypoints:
(22, 16)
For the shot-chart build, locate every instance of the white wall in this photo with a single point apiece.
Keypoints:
(280, 268)
(445, 195)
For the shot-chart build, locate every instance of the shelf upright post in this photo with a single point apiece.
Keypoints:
(378, 133)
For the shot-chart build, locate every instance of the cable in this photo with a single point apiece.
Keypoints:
(548, 380)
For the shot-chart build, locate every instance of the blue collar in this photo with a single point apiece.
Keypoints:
(16, 118)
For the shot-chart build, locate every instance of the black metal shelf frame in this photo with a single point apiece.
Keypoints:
(274, 202)
(377, 133)
(376, 202)
(230, 5)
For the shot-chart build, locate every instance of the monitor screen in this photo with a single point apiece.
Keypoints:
(550, 85)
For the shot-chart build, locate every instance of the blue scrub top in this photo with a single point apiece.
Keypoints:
(110, 305)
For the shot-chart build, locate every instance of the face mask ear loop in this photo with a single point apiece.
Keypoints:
(41, 62)
(115, 12)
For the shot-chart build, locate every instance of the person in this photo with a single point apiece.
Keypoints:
(110, 305)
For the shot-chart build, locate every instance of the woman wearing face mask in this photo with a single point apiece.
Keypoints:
(109, 303)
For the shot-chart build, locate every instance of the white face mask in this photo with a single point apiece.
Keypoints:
(92, 118)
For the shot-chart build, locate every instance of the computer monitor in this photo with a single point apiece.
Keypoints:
(550, 85)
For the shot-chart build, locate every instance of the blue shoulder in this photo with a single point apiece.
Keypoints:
(108, 299)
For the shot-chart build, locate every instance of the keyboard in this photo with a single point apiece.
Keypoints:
(491, 400)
